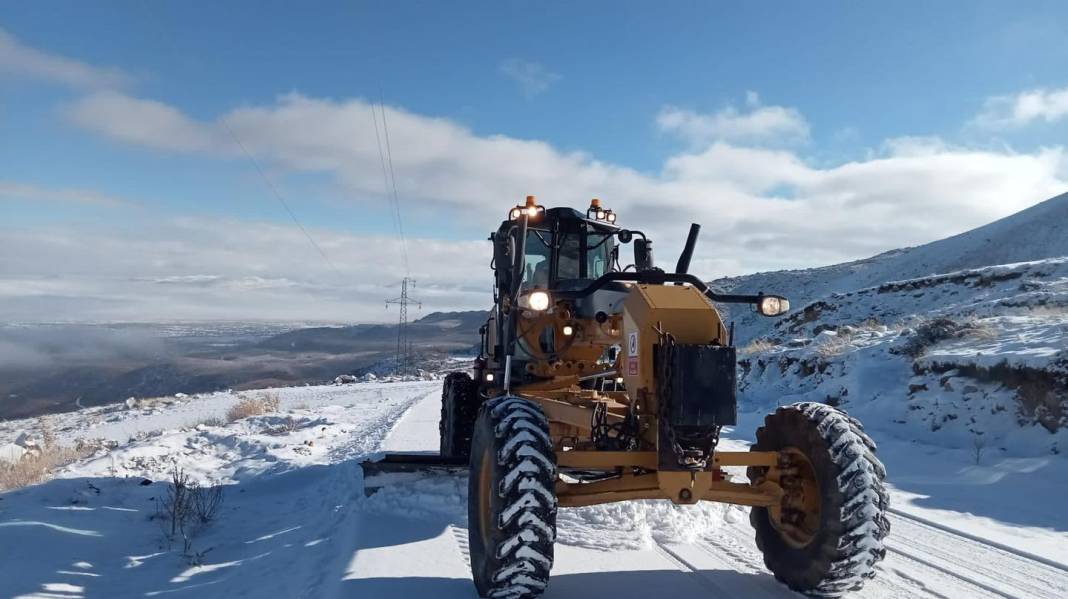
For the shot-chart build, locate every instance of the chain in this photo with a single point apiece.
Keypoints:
(700, 447)
(621, 436)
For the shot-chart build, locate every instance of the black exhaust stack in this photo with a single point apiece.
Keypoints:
(687, 252)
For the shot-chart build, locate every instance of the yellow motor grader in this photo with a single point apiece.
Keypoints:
(597, 383)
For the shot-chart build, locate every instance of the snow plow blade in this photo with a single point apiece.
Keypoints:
(393, 468)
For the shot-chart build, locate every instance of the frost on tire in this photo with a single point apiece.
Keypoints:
(511, 500)
(841, 553)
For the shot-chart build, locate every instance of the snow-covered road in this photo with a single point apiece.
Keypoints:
(295, 522)
(643, 548)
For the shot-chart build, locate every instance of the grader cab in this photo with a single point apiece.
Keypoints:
(598, 382)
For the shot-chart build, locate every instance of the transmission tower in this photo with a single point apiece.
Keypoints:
(404, 346)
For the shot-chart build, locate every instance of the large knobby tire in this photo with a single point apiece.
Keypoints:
(511, 500)
(841, 554)
(459, 408)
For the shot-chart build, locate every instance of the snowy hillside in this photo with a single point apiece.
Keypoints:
(1034, 234)
(295, 523)
(969, 358)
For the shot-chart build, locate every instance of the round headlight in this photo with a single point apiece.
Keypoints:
(538, 301)
(773, 305)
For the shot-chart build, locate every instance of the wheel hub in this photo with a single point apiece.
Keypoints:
(797, 516)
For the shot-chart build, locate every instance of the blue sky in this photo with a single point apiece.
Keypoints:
(124, 196)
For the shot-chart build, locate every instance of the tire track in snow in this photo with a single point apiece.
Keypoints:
(987, 542)
(736, 582)
(937, 563)
(986, 565)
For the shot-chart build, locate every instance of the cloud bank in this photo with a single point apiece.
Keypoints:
(19, 59)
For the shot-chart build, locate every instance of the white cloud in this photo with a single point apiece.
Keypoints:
(778, 125)
(144, 122)
(1024, 108)
(219, 269)
(11, 191)
(532, 77)
(762, 208)
(22, 60)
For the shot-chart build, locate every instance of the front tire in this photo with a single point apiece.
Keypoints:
(459, 408)
(827, 537)
(511, 500)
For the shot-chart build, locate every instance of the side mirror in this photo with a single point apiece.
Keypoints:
(773, 305)
(624, 236)
(643, 254)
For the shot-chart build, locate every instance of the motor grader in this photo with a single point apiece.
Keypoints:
(598, 383)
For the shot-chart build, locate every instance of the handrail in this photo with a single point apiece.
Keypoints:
(659, 277)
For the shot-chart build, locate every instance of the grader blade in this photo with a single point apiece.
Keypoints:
(396, 468)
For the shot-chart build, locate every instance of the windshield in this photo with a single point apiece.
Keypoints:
(598, 259)
(537, 259)
(598, 254)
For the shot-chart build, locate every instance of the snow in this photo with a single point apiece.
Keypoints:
(295, 522)
(952, 354)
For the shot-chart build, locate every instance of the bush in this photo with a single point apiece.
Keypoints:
(253, 406)
(38, 463)
(936, 330)
(189, 506)
(756, 346)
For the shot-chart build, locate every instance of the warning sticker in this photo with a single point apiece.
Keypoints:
(632, 344)
(632, 366)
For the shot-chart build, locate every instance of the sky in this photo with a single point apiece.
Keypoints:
(200, 160)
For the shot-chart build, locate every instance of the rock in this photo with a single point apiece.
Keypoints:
(345, 379)
(131, 402)
(27, 441)
(11, 453)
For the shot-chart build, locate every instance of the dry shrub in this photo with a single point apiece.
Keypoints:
(254, 406)
(188, 507)
(36, 465)
(757, 346)
(209, 421)
(834, 345)
(936, 330)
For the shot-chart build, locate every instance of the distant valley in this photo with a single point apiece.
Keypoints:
(48, 368)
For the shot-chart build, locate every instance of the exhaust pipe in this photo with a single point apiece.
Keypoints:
(683, 266)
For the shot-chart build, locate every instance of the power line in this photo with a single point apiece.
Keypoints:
(393, 178)
(394, 214)
(279, 197)
(168, 33)
(389, 180)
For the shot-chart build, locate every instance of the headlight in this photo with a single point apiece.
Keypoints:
(773, 305)
(535, 300)
(539, 301)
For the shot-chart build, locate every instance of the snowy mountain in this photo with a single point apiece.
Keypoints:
(959, 343)
(1034, 234)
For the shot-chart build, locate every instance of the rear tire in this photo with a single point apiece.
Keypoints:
(511, 500)
(459, 408)
(841, 554)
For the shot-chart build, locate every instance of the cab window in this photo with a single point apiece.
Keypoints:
(538, 255)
